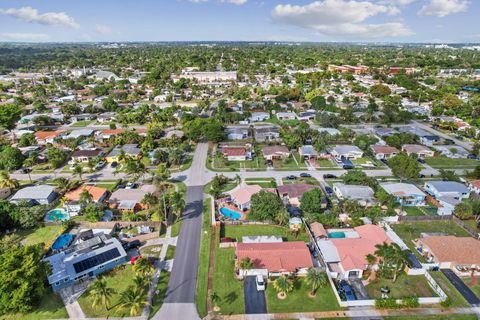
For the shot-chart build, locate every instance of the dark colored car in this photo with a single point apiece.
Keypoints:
(26, 170)
(472, 156)
(329, 176)
(329, 190)
(131, 245)
(449, 141)
(291, 177)
(384, 161)
(422, 176)
(305, 175)
(114, 164)
(346, 291)
(421, 160)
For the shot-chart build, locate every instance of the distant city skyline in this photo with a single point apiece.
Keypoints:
(439, 21)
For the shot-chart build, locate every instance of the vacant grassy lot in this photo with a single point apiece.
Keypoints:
(449, 289)
(50, 307)
(237, 232)
(448, 163)
(294, 162)
(405, 286)
(299, 301)
(39, 235)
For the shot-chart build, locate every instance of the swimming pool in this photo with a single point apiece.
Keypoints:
(337, 235)
(228, 213)
(62, 241)
(57, 214)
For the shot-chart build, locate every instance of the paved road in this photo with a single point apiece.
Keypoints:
(461, 287)
(254, 300)
(465, 144)
(179, 301)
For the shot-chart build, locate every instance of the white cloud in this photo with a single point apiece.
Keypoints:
(30, 14)
(341, 18)
(102, 29)
(24, 36)
(442, 8)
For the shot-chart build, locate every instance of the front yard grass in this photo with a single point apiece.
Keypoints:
(448, 163)
(310, 180)
(118, 279)
(457, 299)
(299, 301)
(50, 307)
(204, 260)
(294, 162)
(239, 231)
(81, 124)
(475, 288)
(151, 251)
(405, 286)
(158, 298)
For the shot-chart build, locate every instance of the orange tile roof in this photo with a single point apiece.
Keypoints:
(234, 151)
(95, 192)
(475, 183)
(384, 149)
(113, 131)
(461, 250)
(276, 257)
(42, 135)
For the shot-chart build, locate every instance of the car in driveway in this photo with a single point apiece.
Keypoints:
(132, 244)
(329, 176)
(260, 283)
(329, 191)
(100, 165)
(420, 160)
(346, 292)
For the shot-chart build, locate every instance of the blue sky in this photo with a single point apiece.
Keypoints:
(245, 20)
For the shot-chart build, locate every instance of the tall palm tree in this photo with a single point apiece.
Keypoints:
(78, 171)
(101, 293)
(383, 252)
(7, 182)
(28, 164)
(178, 203)
(133, 300)
(141, 282)
(398, 258)
(316, 279)
(143, 266)
(283, 285)
(63, 184)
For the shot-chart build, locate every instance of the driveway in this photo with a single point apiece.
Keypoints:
(254, 300)
(461, 287)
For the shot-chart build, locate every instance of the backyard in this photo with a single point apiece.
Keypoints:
(298, 299)
(45, 235)
(50, 307)
(405, 286)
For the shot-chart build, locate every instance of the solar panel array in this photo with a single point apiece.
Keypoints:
(96, 260)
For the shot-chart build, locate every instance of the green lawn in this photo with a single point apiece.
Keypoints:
(39, 235)
(322, 163)
(50, 307)
(170, 253)
(448, 163)
(310, 180)
(222, 164)
(162, 290)
(475, 288)
(367, 160)
(405, 286)
(449, 289)
(412, 230)
(290, 163)
(110, 186)
(231, 184)
(81, 124)
(204, 260)
(299, 301)
(238, 231)
(118, 279)
(413, 211)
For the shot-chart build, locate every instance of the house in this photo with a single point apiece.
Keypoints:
(86, 155)
(81, 133)
(235, 153)
(418, 150)
(130, 150)
(456, 253)
(85, 260)
(259, 116)
(446, 205)
(454, 152)
(451, 189)
(347, 151)
(286, 116)
(275, 152)
(35, 195)
(277, 258)
(429, 140)
(267, 133)
(73, 197)
(363, 194)
(292, 193)
(328, 131)
(318, 230)
(174, 133)
(384, 152)
(242, 196)
(109, 133)
(130, 200)
(346, 258)
(406, 194)
(474, 186)
(44, 137)
(306, 115)
(307, 152)
(384, 132)
(236, 133)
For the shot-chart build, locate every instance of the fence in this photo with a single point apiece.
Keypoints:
(424, 218)
(469, 229)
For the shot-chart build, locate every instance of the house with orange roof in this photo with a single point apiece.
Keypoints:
(384, 152)
(109, 133)
(274, 258)
(73, 197)
(44, 137)
(474, 186)
(345, 253)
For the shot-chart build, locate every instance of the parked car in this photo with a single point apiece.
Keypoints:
(131, 185)
(385, 161)
(114, 164)
(305, 175)
(472, 156)
(132, 244)
(346, 291)
(100, 165)
(260, 283)
(291, 177)
(329, 176)
(420, 160)
(329, 191)
(26, 170)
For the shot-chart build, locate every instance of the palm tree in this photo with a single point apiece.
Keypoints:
(178, 203)
(132, 299)
(283, 285)
(28, 164)
(215, 298)
(78, 171)
(383, 251)
(7, 182)
(143, 266)
(149, 200)
(141, 282)
(85, 197)
(101, 293)
(398, 258)
(238, 179)
(316, 279)
(246, 264)
(282, 217)
(64, 184)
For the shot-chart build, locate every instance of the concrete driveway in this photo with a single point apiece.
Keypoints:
(254, 300)
(461, 287)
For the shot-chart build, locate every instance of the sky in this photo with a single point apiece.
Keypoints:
(442, 21)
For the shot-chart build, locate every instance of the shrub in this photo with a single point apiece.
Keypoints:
(389, 303)
(411, 302)
(446, 303)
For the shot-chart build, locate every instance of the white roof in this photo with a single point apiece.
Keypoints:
(329, 251)
(343, 149)
(35, 193)
(398, 189)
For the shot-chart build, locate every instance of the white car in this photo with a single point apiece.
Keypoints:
(260, 283)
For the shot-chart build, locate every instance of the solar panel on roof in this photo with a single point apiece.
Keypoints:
(96, 260)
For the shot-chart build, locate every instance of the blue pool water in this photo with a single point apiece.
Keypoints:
(57, 214)
(337, 235)
(62, 241)
(226, 212)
